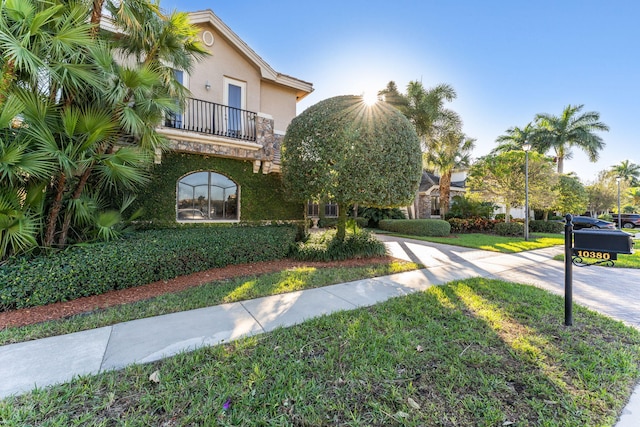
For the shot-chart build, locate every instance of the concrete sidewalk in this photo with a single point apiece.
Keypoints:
(48, 361)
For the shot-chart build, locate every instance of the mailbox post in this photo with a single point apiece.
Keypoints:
(601, 245)
(568, 271)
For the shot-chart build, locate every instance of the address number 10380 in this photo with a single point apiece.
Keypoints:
(594, 254)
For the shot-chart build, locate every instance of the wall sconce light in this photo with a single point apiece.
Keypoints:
(207, 85)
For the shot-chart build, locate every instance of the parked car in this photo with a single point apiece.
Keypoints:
(580, 222)
(193, 214)
(628, 220)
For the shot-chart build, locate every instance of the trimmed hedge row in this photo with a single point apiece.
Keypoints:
(143, 258)
(417, 227)
(539, 226)
(472, 225)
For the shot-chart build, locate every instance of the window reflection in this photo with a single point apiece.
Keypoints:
(207, 196)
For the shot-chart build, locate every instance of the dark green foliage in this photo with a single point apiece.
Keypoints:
(509, 229)
(417, 227)
(538, 226)
(262, 196)
(144, 257)
(326, 247)
(353, 153)
(333, 222)
(500, 216)
(463, 207)
(472, 225)
(375, 215)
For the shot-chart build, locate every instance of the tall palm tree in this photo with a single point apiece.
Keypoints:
(570, 129)
(514, 138)
(450, 151)
(425, 108)
(627, 171)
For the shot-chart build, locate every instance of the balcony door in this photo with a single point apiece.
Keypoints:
(235, 99)
(175, 120)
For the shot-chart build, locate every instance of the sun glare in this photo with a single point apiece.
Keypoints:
(370, 98)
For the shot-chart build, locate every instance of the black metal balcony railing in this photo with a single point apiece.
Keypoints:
(214, 119)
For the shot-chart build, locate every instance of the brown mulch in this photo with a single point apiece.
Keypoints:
(28, 316)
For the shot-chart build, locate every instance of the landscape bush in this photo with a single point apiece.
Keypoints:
(333, 222)
(375, 215)
(142, 258)
(323, 246)
(539, 226)
(509, 229)
(472, 225)
(417, 227)
(464, 207)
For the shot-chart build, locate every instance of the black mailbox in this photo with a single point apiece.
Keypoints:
(601, 244)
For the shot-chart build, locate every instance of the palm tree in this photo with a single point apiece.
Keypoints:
(627, 171)
(634, 196)
(86, 117)
(425, 108)
(568, 130)
(450, 151)
(514, 138)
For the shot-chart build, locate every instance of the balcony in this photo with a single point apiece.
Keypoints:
(214, 119)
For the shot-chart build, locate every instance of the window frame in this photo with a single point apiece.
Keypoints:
(209, 199)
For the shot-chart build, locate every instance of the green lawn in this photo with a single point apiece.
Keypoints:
(214, 293)
(476, 352)
(623, 261)
(490, 242)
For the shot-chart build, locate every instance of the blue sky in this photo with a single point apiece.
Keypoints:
(507, 60)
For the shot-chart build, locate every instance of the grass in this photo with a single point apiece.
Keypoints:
(475, 352)
(213, 293)
(494, 243)
(623, 261)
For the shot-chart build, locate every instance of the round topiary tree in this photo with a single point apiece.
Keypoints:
(351, 152)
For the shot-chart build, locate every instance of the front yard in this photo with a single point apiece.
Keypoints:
(475, 352)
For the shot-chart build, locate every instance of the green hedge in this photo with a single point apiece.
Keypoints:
(472, 225)
(262, 197)
(417, 227)
(333, 222)
(143, 258)
(509, 229)
(325, 247)
(539, 226)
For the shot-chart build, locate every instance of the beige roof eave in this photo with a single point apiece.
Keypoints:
(267, 73)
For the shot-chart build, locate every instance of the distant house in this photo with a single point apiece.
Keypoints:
(224, 163)
(427, 204)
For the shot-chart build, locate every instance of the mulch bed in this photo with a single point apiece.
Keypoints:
(32, 315)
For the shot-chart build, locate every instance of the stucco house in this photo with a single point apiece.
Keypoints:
(224, 162)
(427, 203)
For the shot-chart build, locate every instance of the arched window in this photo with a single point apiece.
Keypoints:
(207, 196)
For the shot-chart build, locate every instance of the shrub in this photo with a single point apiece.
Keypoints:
(143, 258)
(606, 217)
(539, 226)
(333, 222)
(472, 225)
(509, 229)
(500, 216)
(375, 215)
(463, 207)
(417, 227)
(324, 246)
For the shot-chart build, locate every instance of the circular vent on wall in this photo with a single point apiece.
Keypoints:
(207, 38)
